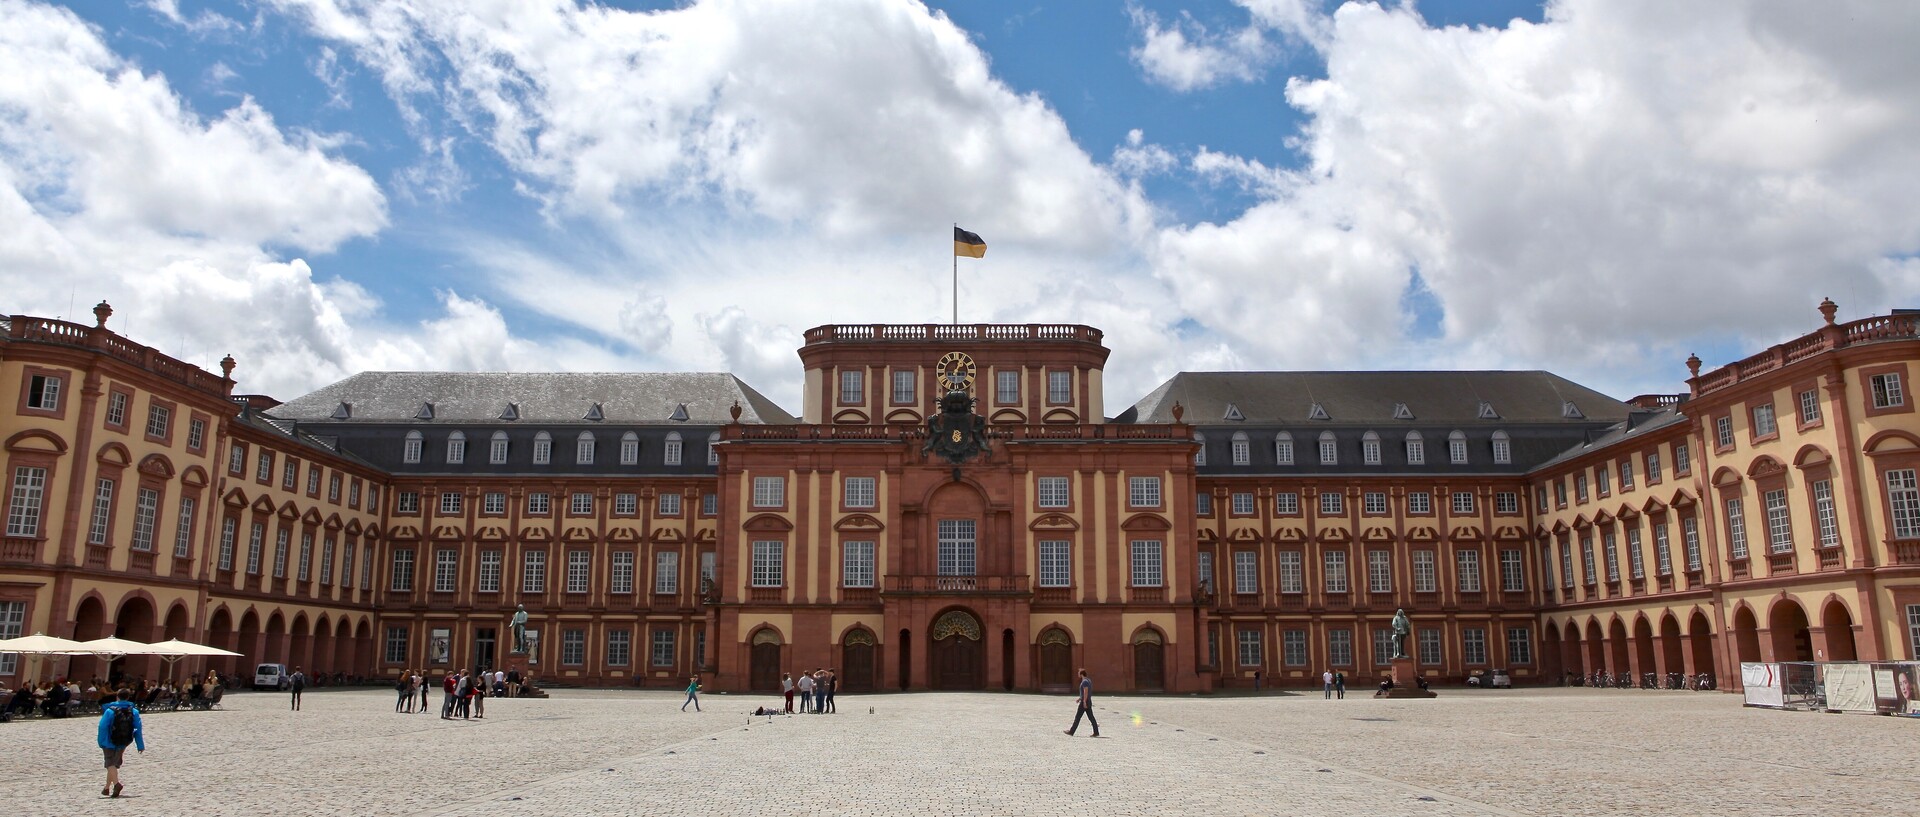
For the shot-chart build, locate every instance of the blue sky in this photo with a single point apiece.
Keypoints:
(1258, 184)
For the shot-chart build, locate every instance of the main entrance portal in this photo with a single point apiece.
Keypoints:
(959, 655)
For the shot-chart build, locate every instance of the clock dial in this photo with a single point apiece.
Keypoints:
(955, 371)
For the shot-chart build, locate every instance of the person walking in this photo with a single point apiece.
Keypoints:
(404, 688)
(693, 695)
(786, 689)
(298, 684)
(806, 691)
(819, 692)
(1086, 706)
(1326, 684)
(1340, 686)
(119, 727)
(833, 686)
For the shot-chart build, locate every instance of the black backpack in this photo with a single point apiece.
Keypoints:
(120, 732)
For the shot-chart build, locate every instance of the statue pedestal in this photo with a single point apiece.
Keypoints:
(1406, 680)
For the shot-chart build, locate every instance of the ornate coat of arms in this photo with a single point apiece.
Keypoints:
(956, 433)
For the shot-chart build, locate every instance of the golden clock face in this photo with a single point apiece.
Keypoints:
(955, 371)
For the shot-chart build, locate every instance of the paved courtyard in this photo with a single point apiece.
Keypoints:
(1544, 752)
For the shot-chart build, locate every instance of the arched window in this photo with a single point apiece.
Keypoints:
(1242, 450)
(1283, 448)
(1416, 449)
(1502, 448)
(497, 448)
(629, 449)
(583, 448)
(673, 448)
(713, 448)
(1329, 452)
(412, 451)
(542, 448)
(1457, 448)
(1370, 448)
(456, 448)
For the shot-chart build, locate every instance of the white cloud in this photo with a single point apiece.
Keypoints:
(1186, 56)
(1140, 158)
(206, 22)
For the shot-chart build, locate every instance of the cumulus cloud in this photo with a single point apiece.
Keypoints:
(1185, 55)
(1140, 158)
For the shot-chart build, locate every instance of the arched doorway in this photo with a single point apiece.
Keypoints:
(1671, 646)
(299, 652)
(321, 648)
(1643, 650)
(1056, 660)
(363, 647)
(858, 659)
(1572, 655)
(343, 649)
(1596, 648)
(276, 640)
(136, 621)
(1149, 660)
(1552, 653)
(219, 633)
(1617, 648)
(1837, 623)
(1787, 623)
(1006, 659)
(1700, 643)
(905, 648)
(89, 623)
(959, 655)
(763, 663)
(1746, 636)
(249, 646)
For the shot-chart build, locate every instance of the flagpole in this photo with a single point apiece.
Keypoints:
(956, 281)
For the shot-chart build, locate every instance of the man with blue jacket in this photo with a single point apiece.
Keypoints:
(119, 728)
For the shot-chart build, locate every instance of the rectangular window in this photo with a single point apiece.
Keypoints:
(1374, 502)
(860, 492)
(1379, 571)
(1723, 431)
(1662, 550)
(116, 409)
(183, 531)
(1513, 576)
(1143, 492)
(1690, 540)
(707, 567)
(1519, 645)
(1249, 647)
(1560, 492)
(619, 648)
(1653, 466)
(396, 652)
(495, 502)
(289, 474)
(1636, 564)
(1457, 451)
(1059, 387)
(446, 570)
(573, 647)
(451, 503)
(346, 565)
(1586, 558)
(281, 540)
(1809, 407)
(1292, 574)
(306, 557)
(1580, 487)
(533, 571)
(1566, 565)
(1329, 451)
(1286, 503)
(1241, 450)
(402, 576)
(1887, 392)
(542, 449)
(1626, 474)
(43, 392)
(1462, 502)
(1611, 546)
(1736, 529)
(145, 507)
(1467, 570)
(579, 570)
(1603, 477)
(497, 451)
(629, 449)
(769, 563)
(1913, 631)
(1242, 503)
(666, 573)
(769, 492)
(669, 505)
(1382, 646)
(263, 472)
(709, 504)
(1779, 526)
(626, 504)
(1293, 647)
(1056, 563)
(1246, 572)
(1203, 567)
(1006, 387)
(456, 450)
(333, 489)
(1682, 462)
(955, 547)
(583, 450)
(13, 619)
(1334, 566)
(1473, 644)
(102, 512)
(236, 459)
(1283, 452)
(621, 572)
(1147, 556)
(1416, 451)
(1332, 504)
(1825, 518)
(1430, 652)
(1203, 504)
(353, 495)
(580, 504)
(226, 543)
(256, 545)
(366, 567)
(903, 388)
(1502, 451)
(1419, 503)
(1763, 425)
(1425, 579)
(853, 387)
(159, 421)
(1340, 647)
(489, 570)
(856, 565)
(1370, 451)
(539, 503)
(1506, 502)
(1053, 492)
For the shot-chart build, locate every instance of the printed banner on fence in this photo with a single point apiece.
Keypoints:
(1850, 688)
(1763, 684)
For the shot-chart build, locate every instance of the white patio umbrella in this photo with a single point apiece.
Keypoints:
(43, 644)
(177, 649)
(111, 646)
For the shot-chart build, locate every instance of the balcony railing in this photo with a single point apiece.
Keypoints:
(1867, 330)
(956, 584)
(63, 333)
(868, 332)
(1831, 558)
(1053, 595)
(1002, 432)
(19, 549)
(1906, 552)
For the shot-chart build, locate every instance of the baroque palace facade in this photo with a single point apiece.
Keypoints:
(954, 509)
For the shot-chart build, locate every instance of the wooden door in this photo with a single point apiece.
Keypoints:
(856, 667)
(957, 663)
(764, 672)
(1149, 666)
(1056, 660)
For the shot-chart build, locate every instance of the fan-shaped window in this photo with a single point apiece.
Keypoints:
(1283, 448)
(1242, 449)
(1370, 448)
(629, 449)
(456, 448)
(497, 448)
(542, 448)
(411, 452)
(1457, 448)
(713, 448)
(1502, 448)
(673, 448)
(1416, 449)
(583, 448)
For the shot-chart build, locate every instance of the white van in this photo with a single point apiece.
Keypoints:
(270, 676)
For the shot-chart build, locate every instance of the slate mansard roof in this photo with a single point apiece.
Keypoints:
(623, 398)
(1370, 398)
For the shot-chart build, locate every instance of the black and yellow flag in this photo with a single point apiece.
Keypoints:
(968, 244)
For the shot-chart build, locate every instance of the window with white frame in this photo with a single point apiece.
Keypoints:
(1506, 502)
(1292, 576)
(1723, 431)
(1203, 568)
(409, 451)
(1662, 550)
(713, 458)
(1636, 563)
(1056, 563)
(1246, 572)
(236, 459)
(955, 547)
(539, 503)
(117, 409)
(1566, 565)
(1513, 577)
(1382, 646)
(1424, 578)
(1286, 503)
(853, 387)
(769, 563)
(709, 504)
(1006, 388)
(102, 522)
(1283, 448)
(281, 540)
(1826, 521)
(1626, 474)
(1202, 503)
(1332, 503)
(1340, 647)
(542, 448)
(666, 573)
(573, 647)
(159, 419)
(1059, 386)
(1148, 555)
(629, 449)
(1779, 526)
(1887, 391)
(1681, 461)
(533, 571)
(1653, 466)
(1416, 449)
(1467, 570)
(708, 566)
(13, 619)
(1430, 652)
(333, 488)
(769, 492)
(903, 388)
(857, 567)
(1053, 492)
(620, 572)
(43, 392)
(226, 543)
(1611, 545)
(263, 469)
(396, 645)
(1913, 631)
(619, 648)
(583, 448)
(1763, 422)
(1463, 502)
(1419, 503)
(1519, 645)
(401, 579)
(626, 504)
(489, 571)
(1242, 449)
(1736, 529)
(1690, 541)
(446, 570)
(1903, 499)
(1473, 645)
(451, 503)
(1143, 492)
(1334, 563)
(859, 492)
(668, 504)
(1379, 571)
(1374, 502)
(1242, 502)
(456, 448)
(1370, 449)
(182, 532)
(146, 506)
(580, 503)
(1502, 448)
(497, 448)
(493, 502)
(674, 448)
(1200, 449)
(1580, 487)
(1329, 451)
(1248, 652)
(1457, 448)
(290, 474)
(1293, 647)
(1603, 475)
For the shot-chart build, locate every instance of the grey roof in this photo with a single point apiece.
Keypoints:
(629, 398)
(291, 431)
(1637, 425)
(1451, 398)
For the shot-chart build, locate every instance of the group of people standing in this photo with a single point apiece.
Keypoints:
(816, 690)
(464, 693)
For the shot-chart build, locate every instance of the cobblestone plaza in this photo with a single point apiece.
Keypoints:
(1533, 752)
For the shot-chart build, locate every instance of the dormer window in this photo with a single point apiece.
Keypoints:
(1370, 448)
(1416, 449)
(1502, 448)
(1401, 412)
(1283, 448)
(542, 448)
(679, 413)
(410, 453)
(583, 448)
(1457, 448)
(673, 448)
(1242, 449)
(1487, 412)
(1233, 413)
(1317, 413)
(344, 411)
(456, 448)
(629, 449)
(595, 413)
(425, 412)
(1329, 452)
(497, 449)
(1571, 411)
(511, 412)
